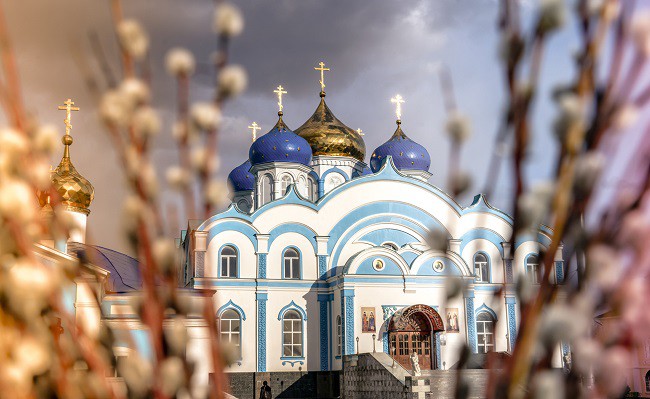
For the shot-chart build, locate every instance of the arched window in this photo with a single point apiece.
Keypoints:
(481, 268)
(229, 262)
(338, 336)
(291, 260)
(485, 332)
(230, 329)
(292, 334)
(390, 245)
(267, 189)
(532, 269)
(647, 381)
(285, 182)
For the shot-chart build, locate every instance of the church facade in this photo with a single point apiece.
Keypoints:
(320, 256)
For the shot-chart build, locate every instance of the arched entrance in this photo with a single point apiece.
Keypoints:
(412, 329)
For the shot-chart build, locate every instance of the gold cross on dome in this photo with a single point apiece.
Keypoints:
(359, 131)
(254, 128)
(322, 70)
(398, 101)
(68, 108)
(280, 91)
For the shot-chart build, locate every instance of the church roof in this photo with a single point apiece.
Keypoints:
(240, 179)
(406, 153)
(280, 144)
(124, 270)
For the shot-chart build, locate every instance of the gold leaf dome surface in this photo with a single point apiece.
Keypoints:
(75, 190)
(327, 135)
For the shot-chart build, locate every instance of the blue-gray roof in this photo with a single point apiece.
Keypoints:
(124, 270)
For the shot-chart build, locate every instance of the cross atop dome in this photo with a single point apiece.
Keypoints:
(67, 139)
(254, 127)
(398, 101)
(322, 70)
(280, 91)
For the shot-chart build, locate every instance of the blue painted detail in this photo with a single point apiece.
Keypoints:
(559, 272)
(280, 144)
(322, 267)
(483, 234)
(398, 237)
(347, 292)
(236, 248)
(261, 331)
(335, 170)
(321, 188)
(299, 262)
(239, 226)
(292, 306)
(509, 273)
(406, 153)
(262, 296)
(261, 265)
(409, 257)
(240, 179)
(566, 349)
(438, 350)
(471, 323)
(324, 297)
(384, 339)
(231, 305)
(512, 321)
(390, 267)
(324, 341)
(293, 361)
(487, 287)
(349, 325)
(540, 238)
(487, 309)
(451, 268)
(511, 299)
(299, 228)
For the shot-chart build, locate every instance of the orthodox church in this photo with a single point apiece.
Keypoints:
(322, 255)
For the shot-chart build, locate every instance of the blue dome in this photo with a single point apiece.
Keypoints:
(240, 179)
(406, 153)
(280, 145)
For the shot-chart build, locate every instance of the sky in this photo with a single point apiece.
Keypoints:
(375, 49)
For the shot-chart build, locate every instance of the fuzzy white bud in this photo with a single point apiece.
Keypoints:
(205, 116)
(571, 113)
(146, 122)
(232, 81)
(17, 201)
(640, 31)
(552, 15)
(180, 62)
(114, 109)
(587, 171)
(178, 178)
(133, 38)
(458, 127)
(228, 20)
(165, 254)
(46, 139)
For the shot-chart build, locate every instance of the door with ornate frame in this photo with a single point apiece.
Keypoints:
(412, 330)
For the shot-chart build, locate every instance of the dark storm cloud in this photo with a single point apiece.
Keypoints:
(375, 49)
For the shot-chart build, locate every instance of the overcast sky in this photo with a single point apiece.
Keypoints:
(375, 49)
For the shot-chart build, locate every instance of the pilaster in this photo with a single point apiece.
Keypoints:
(470, 320)
(261, 298)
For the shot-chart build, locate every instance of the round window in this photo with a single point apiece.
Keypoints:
(378, 265)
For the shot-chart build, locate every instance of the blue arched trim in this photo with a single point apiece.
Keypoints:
(485, 234)
(238, 253)
(540, 238)
(301, 229)
(238, 226)
(292, 306)
(299, 262)
(489, 261)
(232, 305)
(337, 170)
(487, 309)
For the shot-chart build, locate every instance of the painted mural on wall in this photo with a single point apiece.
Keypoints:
(368, 320)
(452, 320)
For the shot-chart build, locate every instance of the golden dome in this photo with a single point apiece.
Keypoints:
(75, 191)
(329, 136)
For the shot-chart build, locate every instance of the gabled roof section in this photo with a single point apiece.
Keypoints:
(124, 270)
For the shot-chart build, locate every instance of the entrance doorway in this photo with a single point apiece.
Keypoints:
(411, 330)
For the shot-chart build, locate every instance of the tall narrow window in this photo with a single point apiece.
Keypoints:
(267, 189)
(485, 332)
(230, 329)
(285, 182)
(481, 268)
(532, 269)
(229, 262)
(292, 334)
(338, 336)
(647, 381)
(291, 264)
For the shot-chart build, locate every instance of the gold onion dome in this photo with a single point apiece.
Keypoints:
(329, 136)
(75, 191)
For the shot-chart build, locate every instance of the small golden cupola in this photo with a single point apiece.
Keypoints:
(327, 135)
(75, 191)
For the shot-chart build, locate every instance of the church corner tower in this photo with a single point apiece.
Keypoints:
(76, 193)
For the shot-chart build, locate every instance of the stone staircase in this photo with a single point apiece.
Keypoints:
(374, 375)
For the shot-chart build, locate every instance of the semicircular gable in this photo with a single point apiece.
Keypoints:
(361, 263)
(454, 265)
(239, 226)
(395, 236)
(299, 228)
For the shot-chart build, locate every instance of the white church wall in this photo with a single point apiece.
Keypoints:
(475, 246)
(309, 265)
(241, 300)
(245, 251)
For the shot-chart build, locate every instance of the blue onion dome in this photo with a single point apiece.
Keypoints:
(406, 153)
(280, 145)
(240, 179)
(329, 136)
